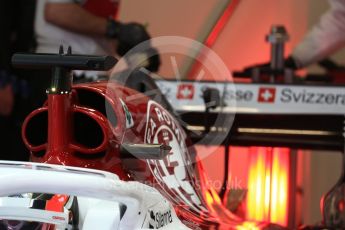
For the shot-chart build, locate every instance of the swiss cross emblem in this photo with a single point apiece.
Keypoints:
(267, 95)
(185, 91)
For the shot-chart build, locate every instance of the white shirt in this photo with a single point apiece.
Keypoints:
(50, 37)
(325, 38)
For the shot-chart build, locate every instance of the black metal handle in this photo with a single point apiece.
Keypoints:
(144, 151)
(62, 64)
(68, 61)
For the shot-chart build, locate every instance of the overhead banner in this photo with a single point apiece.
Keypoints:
(257, 98)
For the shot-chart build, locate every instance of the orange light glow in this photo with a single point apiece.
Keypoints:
(267, 198)
(247, 226)
(209, 198)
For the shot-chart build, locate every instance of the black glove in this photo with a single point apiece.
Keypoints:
(291, 63)
(330, 65)
(128, 35)
(154, 60)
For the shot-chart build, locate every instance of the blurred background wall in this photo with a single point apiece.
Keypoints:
(242, 41)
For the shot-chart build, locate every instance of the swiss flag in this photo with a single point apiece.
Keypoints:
(185, 91)
(267, 95)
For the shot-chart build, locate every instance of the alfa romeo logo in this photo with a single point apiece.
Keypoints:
(175, 174)
(212, 68)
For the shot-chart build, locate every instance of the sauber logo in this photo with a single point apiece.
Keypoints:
(185, 91)
(174, 173)
(266, 95)
(160, 219)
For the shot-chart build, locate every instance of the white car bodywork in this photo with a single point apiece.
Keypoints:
(99, 196)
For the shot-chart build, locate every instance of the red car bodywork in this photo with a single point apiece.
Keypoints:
(86, 128)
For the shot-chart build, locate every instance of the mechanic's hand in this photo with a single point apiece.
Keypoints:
(128, 35)
(6, 93)
(330, 65)
(6, 100)
(154, 60)
(291, 63)
(149, 59)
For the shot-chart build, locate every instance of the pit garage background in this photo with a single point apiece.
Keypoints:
(241, 43)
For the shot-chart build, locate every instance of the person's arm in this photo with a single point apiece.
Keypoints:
(73, 17)
(325, 38)
(6, 100)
